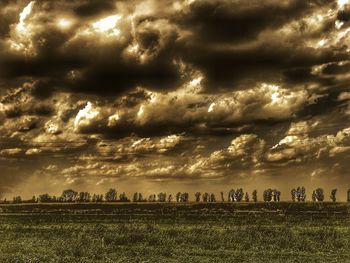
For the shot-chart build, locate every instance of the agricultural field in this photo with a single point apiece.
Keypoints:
(172, 232)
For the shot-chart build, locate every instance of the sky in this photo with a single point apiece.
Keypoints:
(192, 95)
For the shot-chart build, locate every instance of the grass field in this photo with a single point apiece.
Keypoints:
(220, 232)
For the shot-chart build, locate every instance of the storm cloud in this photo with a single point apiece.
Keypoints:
(185, 91)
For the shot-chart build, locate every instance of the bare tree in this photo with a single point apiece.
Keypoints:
(348, 195)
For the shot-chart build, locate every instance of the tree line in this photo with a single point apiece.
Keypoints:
(234, 195)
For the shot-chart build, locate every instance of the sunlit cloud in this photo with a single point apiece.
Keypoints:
(21, 26)
(85, 115)
(107, 25)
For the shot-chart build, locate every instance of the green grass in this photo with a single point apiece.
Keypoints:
(181, 233)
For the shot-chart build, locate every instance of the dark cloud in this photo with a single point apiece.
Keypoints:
(344, 15)
(226, 68)
(160, 90)
(232, 21)
(209, 45)
(93, 8)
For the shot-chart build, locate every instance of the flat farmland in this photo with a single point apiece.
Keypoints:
(175, 232)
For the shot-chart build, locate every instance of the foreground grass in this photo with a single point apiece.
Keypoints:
(211, 237)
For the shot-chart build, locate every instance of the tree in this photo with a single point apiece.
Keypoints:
(123, 197)
(205, 197)
(83, 197)
(278, 195)
(178, 195)
(348, 195)
(33, 200)
(222, 197)
(198, 196)
(333, 195)
(319, 195)
(313, 196)
(170, 198)
(161, 197)
(17, 200)
(293, 192)
(111, 195)
(135, 197)
(97, 198)
(239, 194)
(275, 195)
(69, 195)
(212, 198)
(152, 198)
(255, 196)
(45, 198)
(246, 197)
(267, 195)
(184, 197)
(141, 198)
(231, 195)
(302, 194)
(299, 194)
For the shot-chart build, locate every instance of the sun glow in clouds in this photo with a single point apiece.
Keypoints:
(107, 25)
(21, 26)
(113, 120)
(64, 23)
(211, 107)
(196, 81)
(140, 112)
(85, 115)
(276, 94)
(342, 3)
